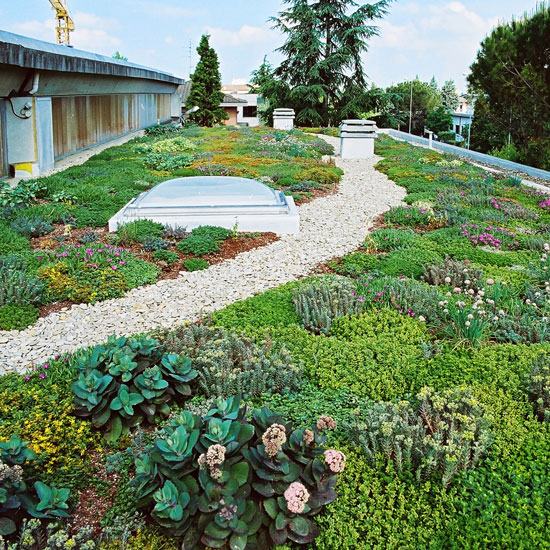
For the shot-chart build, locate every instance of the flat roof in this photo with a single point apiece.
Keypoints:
(30, 53)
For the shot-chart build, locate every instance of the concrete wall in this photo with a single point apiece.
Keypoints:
(472, 155)
(232, 114)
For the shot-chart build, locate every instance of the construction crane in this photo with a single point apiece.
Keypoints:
(64, 22)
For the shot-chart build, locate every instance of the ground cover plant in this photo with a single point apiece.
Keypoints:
(54, 244)
(402, 403)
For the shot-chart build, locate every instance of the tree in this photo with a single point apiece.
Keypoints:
(433, 85)
(206, 84)
(512, 73)
(118, 55)
(325, 41)
(449, 96)
(439, 120)
(424, 100)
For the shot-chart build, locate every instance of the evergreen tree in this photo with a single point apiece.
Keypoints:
(206, 86)
(512, 73)
(439, 120)
(325, 40)
(433, 85)
(449, 96)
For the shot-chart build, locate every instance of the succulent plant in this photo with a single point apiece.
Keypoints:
(127, 380)
(224, 481)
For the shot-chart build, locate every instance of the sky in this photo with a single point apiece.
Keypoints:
(418, 37)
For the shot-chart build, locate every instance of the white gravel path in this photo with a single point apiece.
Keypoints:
(330, 226)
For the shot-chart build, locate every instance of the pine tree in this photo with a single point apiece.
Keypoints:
(206, 86)
(434, 85)
(325, 40)
(449, 96)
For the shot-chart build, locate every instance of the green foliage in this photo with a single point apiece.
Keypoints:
(205, 87)
(409, 262)
(128, 380)
(167, 162)
(539, 387)
(161, 130)
(195, 264)
(384, 240)
(439, 120)
(213, 232)
(17, 317)
(449, 97)
(230, 364)
(227, 480)
(18, 287)
(35, 226)
(167, 256)
(453, 273)
(173, 145)
(320, 302)
(408, 216)
(11, 241)
(199, 245)
(135, 232)
(441, 435)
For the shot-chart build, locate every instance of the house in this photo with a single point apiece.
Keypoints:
(247, 112)
(56, 100)
(231, 106)
(463, 115)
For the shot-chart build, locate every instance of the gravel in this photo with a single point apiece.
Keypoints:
(330, 226)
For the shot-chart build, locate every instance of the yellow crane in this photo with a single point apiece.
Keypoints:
(64, 22)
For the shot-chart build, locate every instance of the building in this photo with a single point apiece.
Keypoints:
(463, 115)
(55, 101)
(247, 112)
(231, 106)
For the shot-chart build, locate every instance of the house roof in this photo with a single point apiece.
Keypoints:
(230, 101)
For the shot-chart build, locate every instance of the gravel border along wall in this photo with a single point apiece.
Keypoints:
(330, 226)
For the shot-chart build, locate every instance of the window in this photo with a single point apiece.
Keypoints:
(250, 111)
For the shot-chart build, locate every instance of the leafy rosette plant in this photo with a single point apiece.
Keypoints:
(129, 380)
(15, 497)
(224, 481)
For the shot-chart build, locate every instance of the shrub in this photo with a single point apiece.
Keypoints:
(34, 226)
(198, 245)
(150, 243)
(173, 145)
(320, 302)
(165, 256)
(161, 130)
(442, 435)
(167, 162)
(212, 232)
(229, 364)
(195, 264)
(539, 388)
(17, 287)
(128, 380)
(223, 480)
(17, 317)
(134, 232)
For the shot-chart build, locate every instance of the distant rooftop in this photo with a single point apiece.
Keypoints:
(30, 53)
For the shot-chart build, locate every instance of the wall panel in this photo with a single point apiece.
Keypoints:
(83, 121)
(3, 142)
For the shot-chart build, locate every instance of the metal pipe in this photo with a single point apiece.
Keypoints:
(35, 82)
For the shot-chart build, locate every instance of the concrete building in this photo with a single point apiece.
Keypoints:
(55, 101)
(231, 106)
(463, 115)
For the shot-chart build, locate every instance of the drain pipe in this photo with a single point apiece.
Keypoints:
(35, 83)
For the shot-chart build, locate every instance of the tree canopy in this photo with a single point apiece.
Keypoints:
(512, 73)
(324, 44)
(206, 86)
(449, 96)
(439, 120)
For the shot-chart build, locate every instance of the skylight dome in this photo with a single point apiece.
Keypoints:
(213, 200)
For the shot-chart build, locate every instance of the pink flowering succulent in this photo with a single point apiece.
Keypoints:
(335, 460)
(326, 423)
(273, 439)
(309, 437)
(296, 497)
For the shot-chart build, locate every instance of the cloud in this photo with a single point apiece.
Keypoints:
(41, 30)
(161, 9)
(169, 40)
(245, 35)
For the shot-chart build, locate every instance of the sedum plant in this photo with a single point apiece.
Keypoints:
(129, 380)
(231, 364)
(538, 388)
(15, 496)
(439, 435)
(17, 287)
(320, 302)
(454, 273)
(223, 481)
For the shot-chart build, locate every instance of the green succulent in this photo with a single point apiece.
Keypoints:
(15, 451)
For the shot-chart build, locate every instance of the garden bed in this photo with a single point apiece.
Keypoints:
(413, 383)
(51, 223)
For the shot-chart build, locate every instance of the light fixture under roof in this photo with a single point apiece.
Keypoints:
(213, 200)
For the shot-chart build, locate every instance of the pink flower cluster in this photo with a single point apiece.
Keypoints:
(296, 497)
(326, 423)
(545, 204)
(309, 436)
(506, 205)
(489, 236)
(215, 456)
(335, 460)
(273, 439)
(228, 510)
